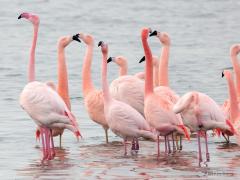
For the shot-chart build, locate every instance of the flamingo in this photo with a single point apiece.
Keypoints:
(93, 98)
(234, 108)
(122, 119)
(62, 69)
(121, 61)
(163, 88)
(201, 113)
(234, 51)
(157, 109)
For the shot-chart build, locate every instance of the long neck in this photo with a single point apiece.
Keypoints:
(156, 74)
(233, 99)
(63, 77)
(105, 88)
(163, 67)
(31, 65)
(87, 84)
(236, 68)
(148, 68)
(123, 70)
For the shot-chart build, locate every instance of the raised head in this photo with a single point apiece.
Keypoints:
(86, 38)
(145, 32)
(66, 40)
(34, 19)
(235, 49)
(104, 47)
(119, 60)
(162, 36)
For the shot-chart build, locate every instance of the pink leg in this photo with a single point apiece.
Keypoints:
(137, 144)
(133, 145)
(42, 130)
(174, 147)
(48, 144)
(158, 147)
(199, 148)
(207, 153)
(52, 145)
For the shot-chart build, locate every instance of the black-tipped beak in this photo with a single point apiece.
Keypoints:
(100, 43)
(109, 60)
(143, 59)
(154, 33)
(20, 16)
(76, 38)
(222, 74)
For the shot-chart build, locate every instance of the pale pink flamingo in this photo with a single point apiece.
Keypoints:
(121, 61)
(157, 109)
(93, 98)
(122, 119)
(201, 113)
(28, 93)
(234, 106)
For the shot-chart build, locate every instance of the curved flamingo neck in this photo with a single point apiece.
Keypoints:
(163, 66)
(63, 77)
(105, 87)
(148, 68)
(87, 84)
(31, 65)
(233, 99)
(236, 68)
(156, 73)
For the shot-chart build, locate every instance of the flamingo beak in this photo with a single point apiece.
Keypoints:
(76, 38)
(100, 43)
(154, 33)
(110, 59)
(20, 16)
(222, 74)
(185, 131)
(141, 60)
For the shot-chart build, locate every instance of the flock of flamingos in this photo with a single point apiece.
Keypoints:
(132, 106)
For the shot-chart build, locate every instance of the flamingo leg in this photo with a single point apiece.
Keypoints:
(137, 144)
(226, 138)
(106, 135)
(180, 148)
(158, 146)
(166, 148)
(173, 142)
(52, 145)
(48, 144)
(43, 143)
(133, 145)
(207, 153)
(199, 148)
(125, 147)
(169, 147)
(60, 141)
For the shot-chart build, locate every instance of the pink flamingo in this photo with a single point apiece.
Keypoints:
(93, 98)
(201, 113)
(157, 109)
(122, 119)
(121, 61)
(29, 92)
(234, 108)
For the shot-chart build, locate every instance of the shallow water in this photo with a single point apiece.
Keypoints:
(201, 34)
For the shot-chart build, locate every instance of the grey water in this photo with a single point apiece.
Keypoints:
(201, 34)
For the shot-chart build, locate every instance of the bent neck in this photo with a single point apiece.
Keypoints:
(105, 87)
(123, 70)
(148, 68)
(236, 68)
(31, 65)
(63, 77)
(163, 66)
(87, 84)
(233, 99)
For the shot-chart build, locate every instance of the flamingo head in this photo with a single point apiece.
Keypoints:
(235, 49)
(66, 40)
(104, 47)
(162, 36)
(119, 60)
(86, 38)
(34, 19)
